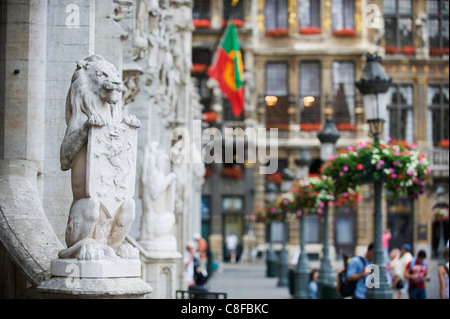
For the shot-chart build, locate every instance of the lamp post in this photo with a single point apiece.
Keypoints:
(373, 86)
(440, 192)
(301, 272)
(271, 258)
(283, 265)
(328, 138)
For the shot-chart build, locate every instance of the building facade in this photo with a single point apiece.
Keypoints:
(303, 56)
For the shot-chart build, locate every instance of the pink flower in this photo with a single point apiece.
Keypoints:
(345, 168)
(396, 163)
(341, 174)
(350, 149)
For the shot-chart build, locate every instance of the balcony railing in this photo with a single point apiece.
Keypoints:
(438, 158)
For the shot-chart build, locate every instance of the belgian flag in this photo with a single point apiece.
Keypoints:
(228, 70)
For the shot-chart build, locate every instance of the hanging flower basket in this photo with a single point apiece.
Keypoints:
(440, 214)
(201, 23)
(345, 33)
(277, 33)
(259, 215)
(309, 30)
(285, 208)
(403, 169)
(313, 193)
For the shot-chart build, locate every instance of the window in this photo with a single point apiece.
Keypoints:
(438, 119)
(236, 12)
(344, 92)
(309, 92)
(438, 28)
(398, 25)
(276, 14)
(399, 118)
(276, 86)
(309, 13)
(312, 229)
(201, 10)
(343, 12)
(201, 58)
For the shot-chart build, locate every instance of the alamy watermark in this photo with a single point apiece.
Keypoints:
(234, 146)
(73, 19)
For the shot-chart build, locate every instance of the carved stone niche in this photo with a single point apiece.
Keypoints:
(132, 73)
(121, 9)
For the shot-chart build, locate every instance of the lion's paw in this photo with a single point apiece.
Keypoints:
(96, 120)
(132, 121)
(127, 251)
(91, 252)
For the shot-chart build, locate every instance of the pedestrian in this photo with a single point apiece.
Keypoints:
(443, 276)
(312, 284)
(231, 243)
(385, 238)
(405, 258)
(395, 270)
(357, 270)
(202, 250)
(416, 272)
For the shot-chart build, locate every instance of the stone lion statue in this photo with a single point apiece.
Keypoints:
(93, 100)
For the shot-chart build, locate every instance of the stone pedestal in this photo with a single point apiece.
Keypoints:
(93, 279)
(94, 288)
(104, 268)
(159, 269)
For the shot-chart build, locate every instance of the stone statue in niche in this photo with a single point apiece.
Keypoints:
(422, 45)
(99, 148)
(157, 191)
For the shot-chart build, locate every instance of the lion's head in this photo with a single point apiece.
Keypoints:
(94, 83)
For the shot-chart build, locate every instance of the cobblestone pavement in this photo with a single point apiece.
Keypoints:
(249, 281)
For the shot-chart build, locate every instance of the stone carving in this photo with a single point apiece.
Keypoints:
(422, 45)
(121, 9)
(99, 147)
(157, 191)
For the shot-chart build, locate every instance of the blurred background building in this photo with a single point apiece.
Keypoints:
(301, 57)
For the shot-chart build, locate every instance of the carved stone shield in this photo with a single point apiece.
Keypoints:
(111, 165)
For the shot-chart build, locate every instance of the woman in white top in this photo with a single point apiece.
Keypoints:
(443, 276)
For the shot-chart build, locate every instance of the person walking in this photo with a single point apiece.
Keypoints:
(416, 272)
(405, 258)
(231, 243)
(312, 284)
(202, 249)
(385, 238)
(443, 276)
(357, 270)
(396, 273)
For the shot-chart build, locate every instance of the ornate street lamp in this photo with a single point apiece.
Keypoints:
(440, 192)
(373, 86)
(283, 265)
(271, 258)
(301, 272)
(328, 138)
